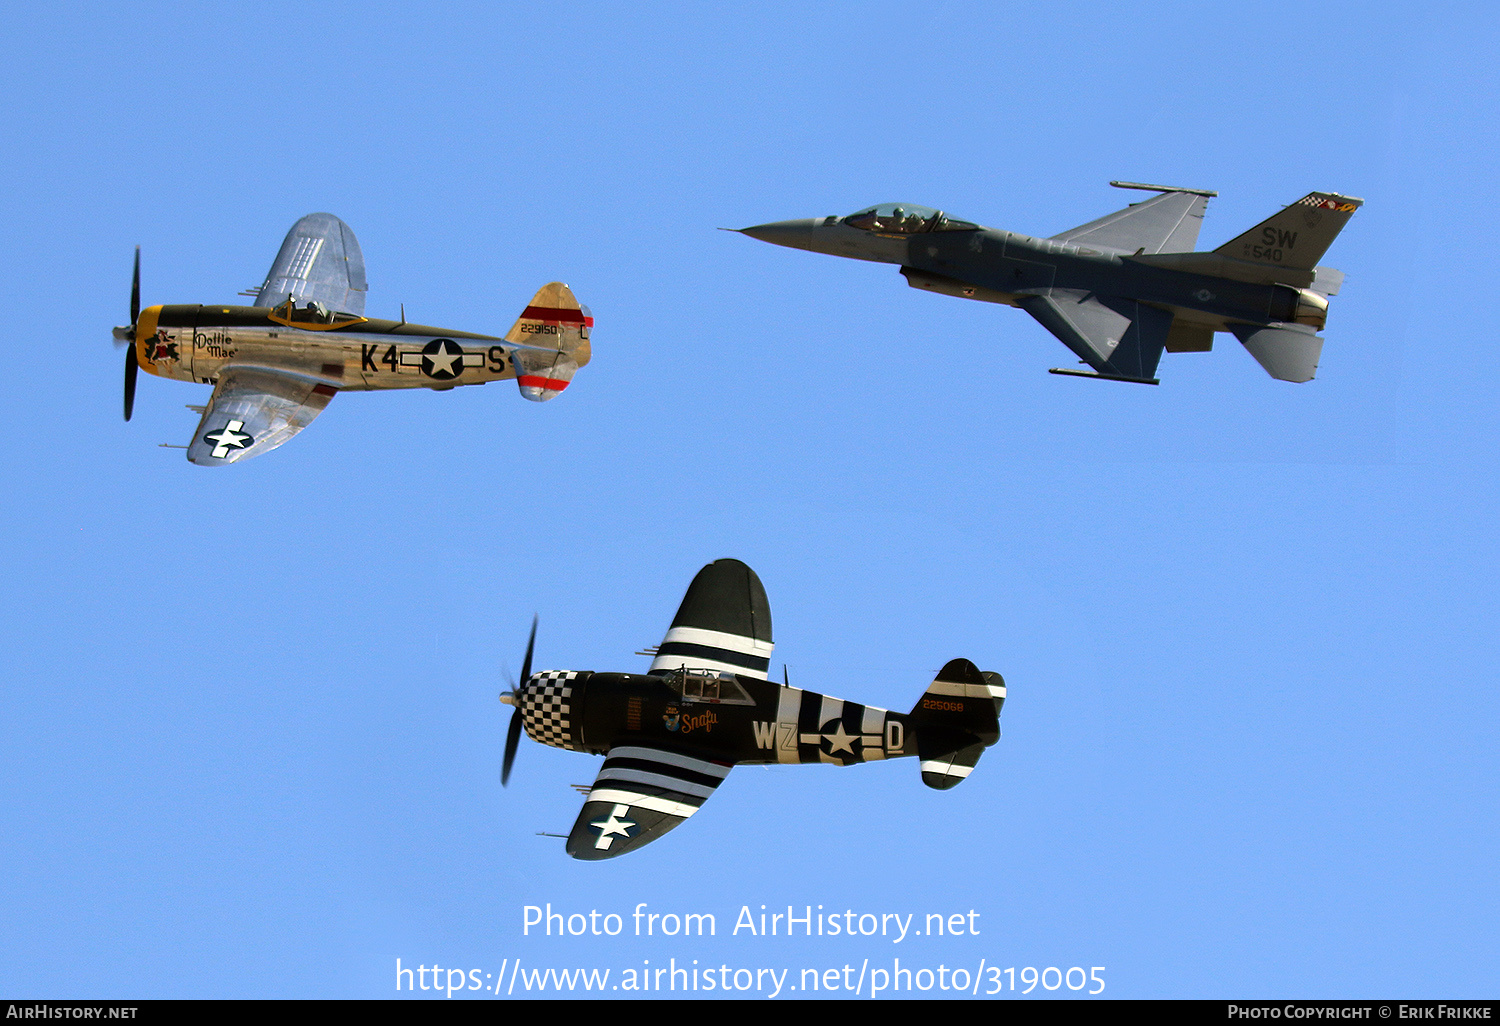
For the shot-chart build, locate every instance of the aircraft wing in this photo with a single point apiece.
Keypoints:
(1167, 223)
(724, 624)
(1119, 338)
(641, 793)
(320, 259)
(253, 410)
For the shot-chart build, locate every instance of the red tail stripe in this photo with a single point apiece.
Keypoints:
(555, 384)
(555, 313)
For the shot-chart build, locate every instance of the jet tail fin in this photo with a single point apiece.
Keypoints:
(1297, 236)
(955, 720)
(552, 341)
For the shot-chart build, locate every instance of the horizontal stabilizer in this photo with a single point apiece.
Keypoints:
(1327, 280)
(1287, 353)
(552, 339)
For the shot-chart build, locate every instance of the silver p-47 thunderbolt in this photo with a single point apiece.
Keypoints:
(1119, 290)
(276, 364)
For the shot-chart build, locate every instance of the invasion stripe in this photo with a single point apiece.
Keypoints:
(954, 687)
(949, 769)
(660, 756)
(719, 639)
(641, 801)
(657, 766)
(723, 655)
(676, 785)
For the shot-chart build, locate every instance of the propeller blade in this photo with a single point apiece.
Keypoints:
(513, 735)
(512, 739)
(131, 368)
(526, 663)
(135, 289)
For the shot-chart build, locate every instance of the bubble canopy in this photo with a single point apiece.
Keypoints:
(905, 219)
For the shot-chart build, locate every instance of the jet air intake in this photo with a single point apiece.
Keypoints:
(1299, 306)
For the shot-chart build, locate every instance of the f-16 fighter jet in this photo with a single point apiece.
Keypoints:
(276, 364)
(1119, 290)
(669, 736)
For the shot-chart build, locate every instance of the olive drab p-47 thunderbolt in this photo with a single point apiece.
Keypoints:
(671, 735)
(1120, 290)
(275, 365)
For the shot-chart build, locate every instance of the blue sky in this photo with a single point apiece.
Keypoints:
(251, 744)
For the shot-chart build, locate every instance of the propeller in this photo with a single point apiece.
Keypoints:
(512, 697)
(127, 335)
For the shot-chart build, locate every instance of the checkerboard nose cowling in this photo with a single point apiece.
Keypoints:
(546, 703)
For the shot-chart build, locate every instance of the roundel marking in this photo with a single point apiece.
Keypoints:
(442, 359)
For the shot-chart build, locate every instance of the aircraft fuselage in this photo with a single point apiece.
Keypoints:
(195, 342)
(770, 724)
(997, 266)
(1006, 266)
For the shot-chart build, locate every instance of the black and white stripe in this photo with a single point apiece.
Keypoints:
(657, 780)
(697, 648)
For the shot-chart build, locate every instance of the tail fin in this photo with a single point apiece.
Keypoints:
(955, 721)
(1297, 236)
(552, 340)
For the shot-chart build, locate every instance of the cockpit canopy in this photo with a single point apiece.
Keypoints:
(906, 219)
(311, 314)
(695, 685)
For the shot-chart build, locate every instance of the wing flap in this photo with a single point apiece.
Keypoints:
(255, 409)
(640, 794)
(320, 260)
(1167, 223)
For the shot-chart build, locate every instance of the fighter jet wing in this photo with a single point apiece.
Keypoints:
(1119, 338)
(1167, 223)
(320, 259)
(253, 410)
(641, 793)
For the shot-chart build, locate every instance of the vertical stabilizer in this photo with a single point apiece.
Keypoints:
(1297, 236)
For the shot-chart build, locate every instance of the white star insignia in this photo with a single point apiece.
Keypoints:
(839, 741)
(443, 359)
(230, 437)
(612, 827)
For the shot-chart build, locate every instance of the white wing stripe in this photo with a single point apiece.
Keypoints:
(686, 762)
(642, 801)
(635, 776)
(718, 639)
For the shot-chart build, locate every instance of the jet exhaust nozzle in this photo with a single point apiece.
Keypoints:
(1299, 306)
